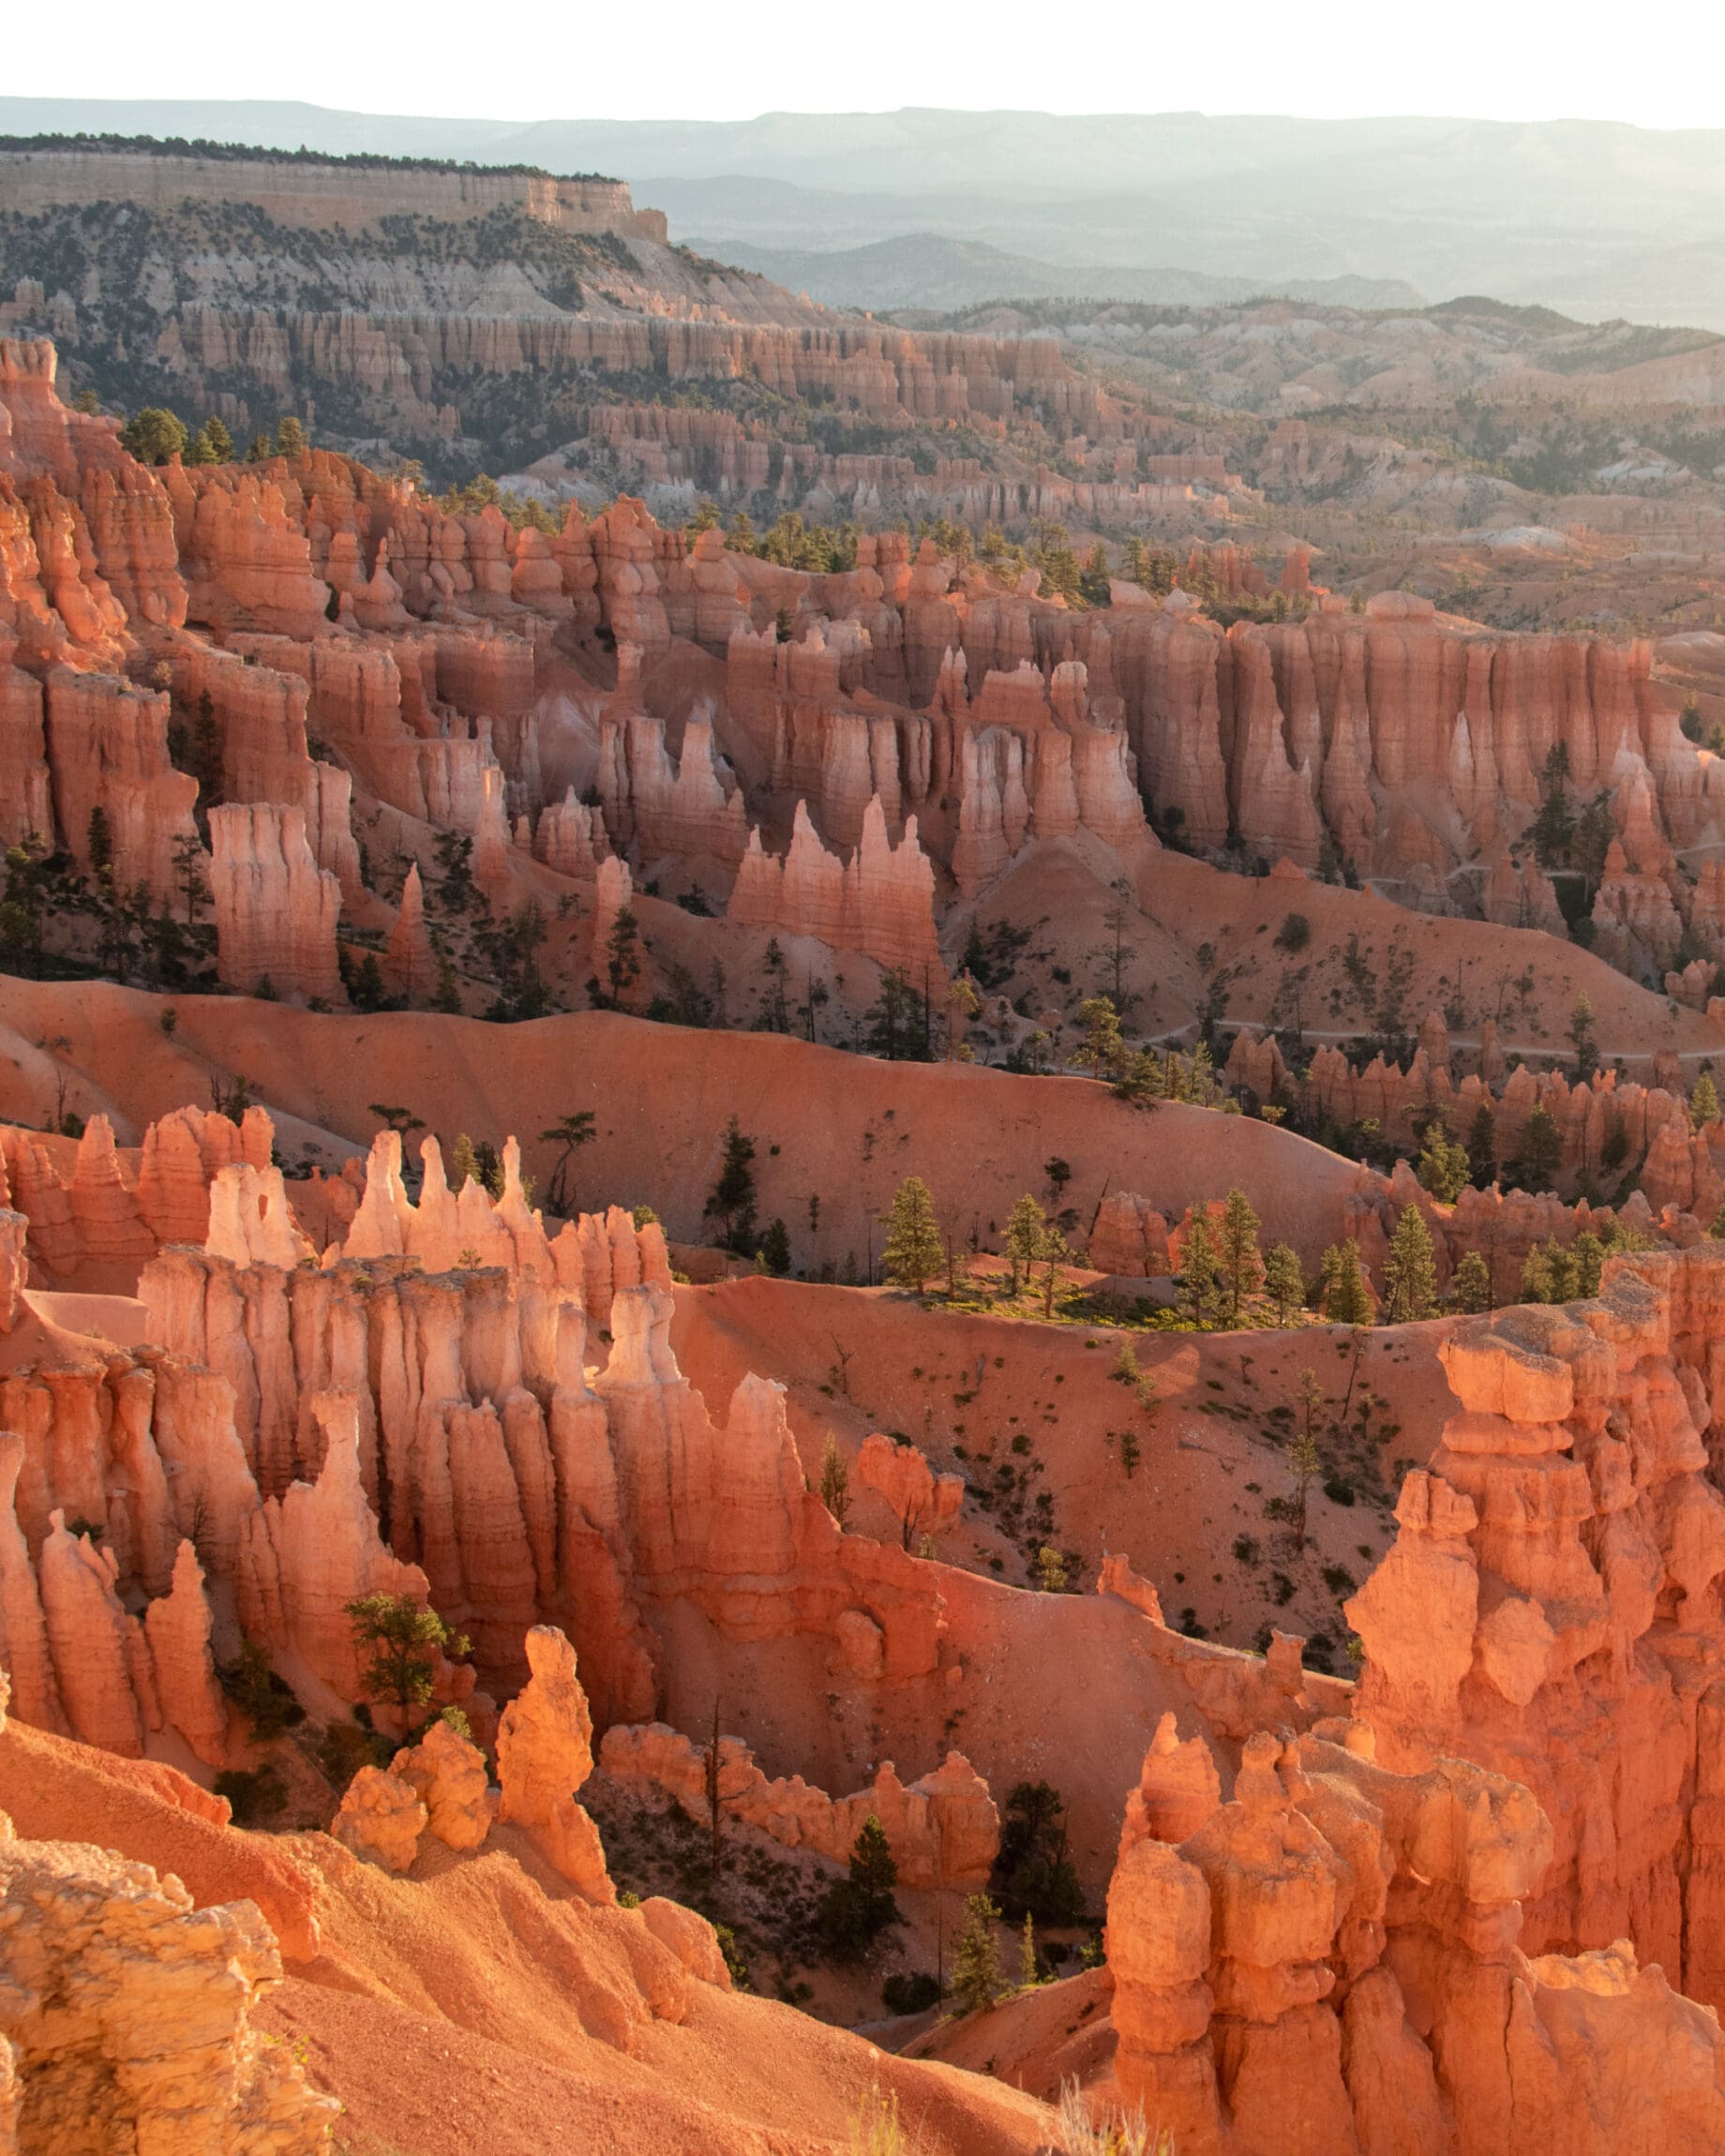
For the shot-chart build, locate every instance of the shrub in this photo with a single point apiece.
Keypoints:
(911, 1992)
(267, 1703)
(1293, 934)
(256, 1795)
(1034, 1874)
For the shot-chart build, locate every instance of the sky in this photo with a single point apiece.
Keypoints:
(1660, 63)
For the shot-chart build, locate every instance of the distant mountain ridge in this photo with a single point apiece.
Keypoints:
(928, 270)
(1595, 218)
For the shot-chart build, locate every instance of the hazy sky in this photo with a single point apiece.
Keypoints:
(1660, 63)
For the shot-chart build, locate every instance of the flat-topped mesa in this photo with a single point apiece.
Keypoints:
(276, 909)
(1549, 1606)
(1329, 1964)
(944, 1829)
(322, 193)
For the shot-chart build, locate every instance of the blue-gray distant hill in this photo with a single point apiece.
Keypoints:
(1592, 217)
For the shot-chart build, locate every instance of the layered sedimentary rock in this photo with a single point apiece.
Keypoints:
(276, 909)
(943, 1828)
(544, 1756)
(447, 1772)
(880, 902)
(108, 751)
(124, 2011)
(923, 1503)
(1329, 1964)
(127, 2015)
(380, 1818)
(1549, 1606)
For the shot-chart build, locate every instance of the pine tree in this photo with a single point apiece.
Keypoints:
(1705, 1102)
(1055, 1251)
(402, 1639)
(1200, 1274)
(1284, 1282)
(154, 435)
(1563, 1271)
(732, 1200)
(1443, 1168)
(1535, 1164)
(1589, 1254)
(835, 1480)
(1580, 1037)
(622, 956)
(289, 438)
(1482, 1150)
(568, 1136)
(1410, 1274)
(1346, 1299)
(913, 1249)
(854, 1911)
(1303, 1456)
(1241, 1263)
(1537, 1278)
(1024, 1238)
(463, 1163)
(977, 1982)
(874, 1869)
(962, 1004)
(1470, 1286)
(1103, 1043)
(99, 842)
(1029, 1976)
(774, 1252)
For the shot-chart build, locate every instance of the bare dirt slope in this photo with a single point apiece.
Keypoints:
(844, 1130)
